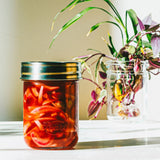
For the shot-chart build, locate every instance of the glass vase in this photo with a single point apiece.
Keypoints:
(126, 90)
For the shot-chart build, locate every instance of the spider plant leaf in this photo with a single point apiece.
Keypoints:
(74, 19)
(71, 4)
(80, 1)
(103, 66)
(111, 43)
(149, 36)
(54, 19)
(97, 67)
(77, 2)
(119, 19)
(91, 49)
(112, 51)
(133, 17)
(94, 27)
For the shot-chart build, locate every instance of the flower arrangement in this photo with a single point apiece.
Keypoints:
(143, 45)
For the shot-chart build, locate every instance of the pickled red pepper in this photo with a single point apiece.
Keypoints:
(50, 104)
(45, 122)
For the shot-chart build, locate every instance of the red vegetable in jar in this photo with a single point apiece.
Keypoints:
(50, 104)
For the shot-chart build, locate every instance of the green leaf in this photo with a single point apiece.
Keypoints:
(79, 1)
(54, 19)
(103, 66)
(149, 36)
(72, 4)
(94, 27)
(97, 67)
(74, 19)
(111, 49)
(69, 5)
(111, 46)
(133, 17)
(118, 19)
(90, 49)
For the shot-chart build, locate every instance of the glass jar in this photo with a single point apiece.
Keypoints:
(126, 90)
(50, 104)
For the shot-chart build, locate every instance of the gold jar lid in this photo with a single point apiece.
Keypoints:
(39, 70)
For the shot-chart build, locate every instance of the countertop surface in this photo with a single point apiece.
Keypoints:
(98, 140)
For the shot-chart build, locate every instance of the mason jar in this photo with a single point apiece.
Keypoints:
(50, 104)
(126, 90)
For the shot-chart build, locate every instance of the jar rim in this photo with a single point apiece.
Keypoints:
(122, 62)
(125, 66)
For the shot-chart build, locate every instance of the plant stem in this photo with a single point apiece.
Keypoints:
(132, 39)
(141, 35)
(102, 54)
(138, 34)
(92, 82)
(88, 66)
(98, 111)
(154, 73)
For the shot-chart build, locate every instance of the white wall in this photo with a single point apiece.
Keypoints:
(25, 35)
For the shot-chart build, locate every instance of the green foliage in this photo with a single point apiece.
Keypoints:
(134, 20)
(97, 67)
(134, 47)
(103, 66)
(74, 19)
(118, 17)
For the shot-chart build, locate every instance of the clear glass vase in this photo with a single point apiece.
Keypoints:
(126, 90)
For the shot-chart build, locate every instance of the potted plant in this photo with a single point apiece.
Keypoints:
(123, 77)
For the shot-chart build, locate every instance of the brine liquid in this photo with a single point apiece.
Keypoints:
(50, 114)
